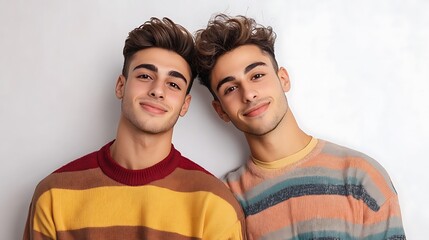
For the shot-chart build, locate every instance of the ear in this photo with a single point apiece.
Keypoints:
(120, 87)
(284, 79)
(218, 108)
(185, 105)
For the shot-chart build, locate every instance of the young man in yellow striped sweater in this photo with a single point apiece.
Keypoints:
(139, 186)
(293, 186)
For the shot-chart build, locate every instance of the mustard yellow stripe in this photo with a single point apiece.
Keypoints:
(154, 207)
(288, 160)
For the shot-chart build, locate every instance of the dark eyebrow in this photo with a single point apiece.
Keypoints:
(150, 67)
(223, 81)
(246, 70)
(153, 68)
(253, 65)
(177, 75)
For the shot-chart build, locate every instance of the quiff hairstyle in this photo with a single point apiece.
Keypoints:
(163, 34)
(225, 33)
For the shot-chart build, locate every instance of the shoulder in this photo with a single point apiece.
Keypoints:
(360, 169)
(70, 176)
(234, 175)
(351, 157)
(83, 163)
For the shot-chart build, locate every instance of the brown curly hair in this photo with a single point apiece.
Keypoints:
(162, 34)
(225, 33)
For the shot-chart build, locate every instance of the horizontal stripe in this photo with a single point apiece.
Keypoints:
(315, 175)
(315, 225)
(371, 175)
(36, 236)
(310, 189)
(394, 223)
(397, 237)
(120, 232)
(180, 180)
(150, 206)
(340, 151)
(249, 181)
(323, 235)
(295, 182)
(391, 234)
(334, 225)
(78, 180)
(302, 209)
(332, 193)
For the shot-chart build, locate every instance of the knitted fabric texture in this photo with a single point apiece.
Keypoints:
(95, 198)
(331, 193)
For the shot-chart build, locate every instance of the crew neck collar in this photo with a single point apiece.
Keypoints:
(283, 162)
(136, 177)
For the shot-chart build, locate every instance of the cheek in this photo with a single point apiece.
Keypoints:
(230, 107)
(130, 87)
(176, 99)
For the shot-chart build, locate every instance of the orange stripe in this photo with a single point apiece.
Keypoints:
(305, 208)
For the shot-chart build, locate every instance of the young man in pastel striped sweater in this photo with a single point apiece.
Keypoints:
(293, 186)
(139, 186)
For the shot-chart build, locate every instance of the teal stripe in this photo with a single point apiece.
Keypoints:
(324, 235)
(387, 235)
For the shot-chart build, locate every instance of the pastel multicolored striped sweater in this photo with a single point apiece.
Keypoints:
(325, 191)
(95, 198)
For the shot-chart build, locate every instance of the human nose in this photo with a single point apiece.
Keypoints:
(157, 90)
(249, 93)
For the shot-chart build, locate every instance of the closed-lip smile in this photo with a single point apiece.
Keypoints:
(152, 107)
(256, 110)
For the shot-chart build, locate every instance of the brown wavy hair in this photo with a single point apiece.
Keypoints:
(162, 34)
(225, 33)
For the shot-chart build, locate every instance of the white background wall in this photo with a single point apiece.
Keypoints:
(359, 72)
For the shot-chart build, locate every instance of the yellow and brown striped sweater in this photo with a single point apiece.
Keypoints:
(95, 198)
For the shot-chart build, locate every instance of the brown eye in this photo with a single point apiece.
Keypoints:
(256, 76)
(230, 89)
(174, 85)
(144, 76)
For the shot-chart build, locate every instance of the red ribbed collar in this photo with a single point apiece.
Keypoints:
(136, 177)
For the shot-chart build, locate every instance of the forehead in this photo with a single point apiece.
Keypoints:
(235, 61)
(165, 60)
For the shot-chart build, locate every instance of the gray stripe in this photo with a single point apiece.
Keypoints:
(392, 222)
(234, 175)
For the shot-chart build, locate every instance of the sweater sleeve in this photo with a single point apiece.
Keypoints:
(234, 232)
(222, 221)
(386, 223)
(40, 224)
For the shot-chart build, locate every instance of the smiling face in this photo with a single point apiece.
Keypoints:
(154, 93)
(250, 92)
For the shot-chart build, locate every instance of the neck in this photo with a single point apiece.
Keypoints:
(134, 149)
(286, 139)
